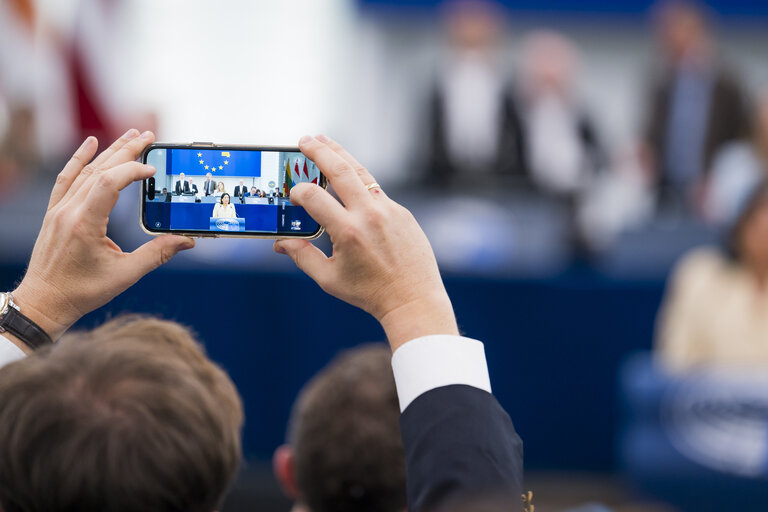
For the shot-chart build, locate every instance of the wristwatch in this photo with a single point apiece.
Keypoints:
(14, 322)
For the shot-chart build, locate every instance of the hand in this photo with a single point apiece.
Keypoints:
(382, 261)
(74, 267)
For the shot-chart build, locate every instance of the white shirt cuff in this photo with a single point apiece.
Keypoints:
(431, 362)
(9, 352)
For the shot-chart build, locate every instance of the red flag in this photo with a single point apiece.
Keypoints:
(306, 172)
(296, 168)
(314, 181)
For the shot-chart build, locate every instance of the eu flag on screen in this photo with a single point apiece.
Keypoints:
(215, 161)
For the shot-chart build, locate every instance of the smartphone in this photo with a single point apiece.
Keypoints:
(222, 190)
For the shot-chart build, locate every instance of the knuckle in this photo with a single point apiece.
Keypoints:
(349, 233)
(88, 170)
(106, 180)
(339, 167)
(62, 179)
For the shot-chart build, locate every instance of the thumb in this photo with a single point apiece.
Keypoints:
(306, 256)
(158, 252)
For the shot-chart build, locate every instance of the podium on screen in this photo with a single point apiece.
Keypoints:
(218, 224)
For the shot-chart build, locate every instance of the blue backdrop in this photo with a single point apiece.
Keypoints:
(215, 161)
(738, 8)
(553, 346)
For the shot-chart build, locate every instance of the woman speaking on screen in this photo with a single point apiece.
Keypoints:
(224, 209)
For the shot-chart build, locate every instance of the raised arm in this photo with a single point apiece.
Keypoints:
(75, 268)
(457, 438)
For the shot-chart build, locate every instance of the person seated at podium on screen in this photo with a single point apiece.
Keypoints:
(182, 185)
(220, 189)
(255, 192)
(224, 209)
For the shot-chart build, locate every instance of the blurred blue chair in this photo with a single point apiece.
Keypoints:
(698, 442)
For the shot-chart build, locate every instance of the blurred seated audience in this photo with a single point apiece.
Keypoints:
(696, 105)
(475, 128)
(562, 143)
(344, 450)
(128, 416)
(737, 167)
(224, 209)
(715, 312)
(255, 192)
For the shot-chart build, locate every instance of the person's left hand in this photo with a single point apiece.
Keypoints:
(75, 268)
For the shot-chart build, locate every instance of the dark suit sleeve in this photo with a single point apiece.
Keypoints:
(459, 441)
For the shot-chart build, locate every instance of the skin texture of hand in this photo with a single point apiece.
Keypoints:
(382, 261)
(75, 268)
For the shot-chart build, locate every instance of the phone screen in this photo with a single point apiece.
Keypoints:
(227, 190)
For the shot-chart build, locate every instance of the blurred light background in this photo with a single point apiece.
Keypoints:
(561, 156)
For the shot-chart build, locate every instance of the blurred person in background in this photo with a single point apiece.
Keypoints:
(476, 131)
(562, 143)
(737, 167)
(696, 106)
(220, 189)
(344, 450)
(564, 155)
(182, 185)
(209, 185)
(715, 310)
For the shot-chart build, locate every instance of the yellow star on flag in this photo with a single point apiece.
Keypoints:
(201, 161)
(206, 166)
(199, 155)
(221, 167)
(226, 162)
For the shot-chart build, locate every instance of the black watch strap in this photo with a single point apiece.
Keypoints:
(24, 329)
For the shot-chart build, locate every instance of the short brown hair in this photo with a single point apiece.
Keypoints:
(129, 416)
(345, 433)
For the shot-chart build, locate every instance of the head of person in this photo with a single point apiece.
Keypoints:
(473, 25)
(344, 452)
(191, 181)
(224, 198)
(549, 62)
(129, 416)
(241, 183)
(165, 190)
(220, 186)
(747, 240)
(254, 191)
(182, 176)
(208, 176)
(682, 29)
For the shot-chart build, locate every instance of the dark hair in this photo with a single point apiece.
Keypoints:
(345, 433)
(221, 200)
(129, 416)
(757, 198)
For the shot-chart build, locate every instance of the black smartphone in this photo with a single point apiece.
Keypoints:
(221, 190)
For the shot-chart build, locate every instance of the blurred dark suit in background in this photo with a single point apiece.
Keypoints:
(696, 105)
(474, 121)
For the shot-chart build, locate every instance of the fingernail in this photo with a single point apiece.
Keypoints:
(279, 248)
(305, 139)
(186, 244)
(151, 168)
(147, 134)
(133, 132)
(322, 138)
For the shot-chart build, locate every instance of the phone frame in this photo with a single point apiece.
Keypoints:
(323, 182)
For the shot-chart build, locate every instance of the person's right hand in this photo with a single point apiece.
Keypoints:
(382, 261)
(75, 267)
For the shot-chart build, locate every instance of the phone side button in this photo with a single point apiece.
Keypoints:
(207, 144)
